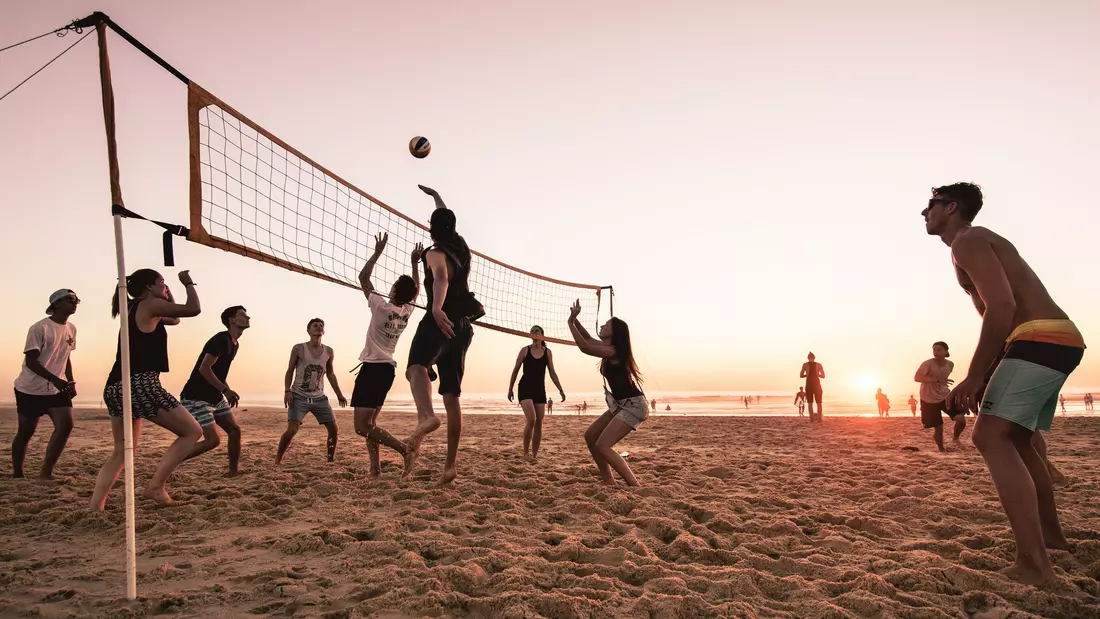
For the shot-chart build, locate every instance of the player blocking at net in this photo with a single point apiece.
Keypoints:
(443, 336)
(377, 368)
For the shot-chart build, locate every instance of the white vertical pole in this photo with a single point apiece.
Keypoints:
(124, 309)
(127, 413)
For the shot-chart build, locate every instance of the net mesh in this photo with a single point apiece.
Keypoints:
(255, 195)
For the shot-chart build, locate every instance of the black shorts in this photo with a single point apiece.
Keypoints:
(535, 393)
(813, 394)
(931, 413)
(372, 384)
(430, 347)
(37, 405)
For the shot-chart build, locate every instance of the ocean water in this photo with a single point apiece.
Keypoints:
(698, 404)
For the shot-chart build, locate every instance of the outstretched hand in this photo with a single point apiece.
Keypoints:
(428, 190)
(562, 394)
(380, 241)
(417, 253)
(575, 310)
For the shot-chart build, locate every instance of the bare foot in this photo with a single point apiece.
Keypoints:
(528, 458)
(50, 479)
(423, 429)
(1028, 576)
(232, 473)
(449, 476)
(410, 463)
(157, 494)
(375, 475)
(1056, 541)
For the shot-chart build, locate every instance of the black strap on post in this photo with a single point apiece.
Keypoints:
(170, 230)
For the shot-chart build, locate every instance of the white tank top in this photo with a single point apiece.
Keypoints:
(309, 374)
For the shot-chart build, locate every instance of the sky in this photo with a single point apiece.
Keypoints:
(748, 175)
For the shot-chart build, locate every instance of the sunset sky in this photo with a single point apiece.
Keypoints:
(748, 175)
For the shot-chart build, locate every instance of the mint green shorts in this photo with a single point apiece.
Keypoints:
(1025, 386)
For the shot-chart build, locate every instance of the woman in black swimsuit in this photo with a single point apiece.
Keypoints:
(535, 360)
(627, 407)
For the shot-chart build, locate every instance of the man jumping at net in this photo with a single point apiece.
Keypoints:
(389, 317)
(444, 334)
(208, 397)
(310, 363)
(1026, 350)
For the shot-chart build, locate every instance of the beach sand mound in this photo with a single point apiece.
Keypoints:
(736, 517)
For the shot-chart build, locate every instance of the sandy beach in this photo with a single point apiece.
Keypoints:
(736, 517)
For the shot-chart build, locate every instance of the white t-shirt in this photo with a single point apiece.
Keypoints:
(53, 342)
(387, 322)
(936, 392)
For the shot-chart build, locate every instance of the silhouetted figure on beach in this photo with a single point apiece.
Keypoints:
(813, 373)
(800, 402)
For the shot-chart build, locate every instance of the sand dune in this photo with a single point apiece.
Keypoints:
(736, 517)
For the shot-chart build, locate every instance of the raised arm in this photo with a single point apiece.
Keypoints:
(515, 372)
(585, 342)
(554, 373)
(435, 196)
(380, 241)
(289, 377)
(332, 378)
(167, 310)
(417, 253)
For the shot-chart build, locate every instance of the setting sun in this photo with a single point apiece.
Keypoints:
(865, 382)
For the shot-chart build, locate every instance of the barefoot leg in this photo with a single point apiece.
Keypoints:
(997, 440)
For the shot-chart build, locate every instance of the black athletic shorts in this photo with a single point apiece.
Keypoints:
(430, 347)
(30, 405)
(931, 413)
(813, 393)
(535, 393)
(372, 384)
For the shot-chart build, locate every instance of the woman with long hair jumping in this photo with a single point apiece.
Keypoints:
(626, 403)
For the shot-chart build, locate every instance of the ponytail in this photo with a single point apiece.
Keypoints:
(136, 285)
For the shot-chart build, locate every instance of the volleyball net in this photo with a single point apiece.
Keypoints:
(255, 195)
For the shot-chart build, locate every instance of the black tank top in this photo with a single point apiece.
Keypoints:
(455, 304)
(534, 369)
(811, 373)
(618, 380)
(148, 351)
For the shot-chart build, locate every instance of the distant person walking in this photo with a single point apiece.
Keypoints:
(813, 373)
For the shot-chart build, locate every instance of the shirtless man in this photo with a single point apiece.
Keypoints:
(813, 373)
(800, 402)
(1026, 350)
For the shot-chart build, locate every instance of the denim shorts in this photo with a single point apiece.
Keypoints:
(319, 406)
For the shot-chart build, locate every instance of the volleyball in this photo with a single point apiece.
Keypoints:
(420, 147)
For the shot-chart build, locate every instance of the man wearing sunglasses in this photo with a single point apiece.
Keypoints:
(1026, 350)
(40, 389)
